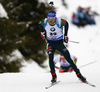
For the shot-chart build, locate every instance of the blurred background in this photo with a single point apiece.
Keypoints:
(20, 41)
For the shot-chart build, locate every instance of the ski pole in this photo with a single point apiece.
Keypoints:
(69, 40)
(74, 41)
(87, 64)
(57, 67)
(79, 66)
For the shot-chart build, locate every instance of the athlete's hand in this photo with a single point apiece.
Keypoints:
(43, 35)
(66, 39)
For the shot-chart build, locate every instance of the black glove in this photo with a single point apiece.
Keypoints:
(66, 39)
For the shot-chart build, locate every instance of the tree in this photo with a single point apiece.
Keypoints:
(9, 41)
(21, 32)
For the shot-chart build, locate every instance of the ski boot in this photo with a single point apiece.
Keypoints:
(79, 75)
(54, 77)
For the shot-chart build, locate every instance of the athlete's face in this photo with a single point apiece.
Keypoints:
(63, 59)
(51, 20)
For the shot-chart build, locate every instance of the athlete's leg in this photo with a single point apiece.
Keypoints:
(66, 54)
(50, 52)
(51, 65)
(64, 51)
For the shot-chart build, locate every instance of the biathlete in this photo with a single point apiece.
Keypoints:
(54, 33)
(64, 65)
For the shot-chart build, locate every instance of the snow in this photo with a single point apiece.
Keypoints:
(34, 78)
(31, 67)
(30, 82)
(2, 12)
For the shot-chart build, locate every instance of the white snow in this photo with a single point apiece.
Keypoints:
(2, 12)
(33, 78)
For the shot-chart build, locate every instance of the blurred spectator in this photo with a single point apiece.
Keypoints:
(74, 19)
(83, 17)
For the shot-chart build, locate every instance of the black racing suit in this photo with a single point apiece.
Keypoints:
(59, 46)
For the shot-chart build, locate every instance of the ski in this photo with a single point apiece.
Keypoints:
(90, 84)
(52, 85)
